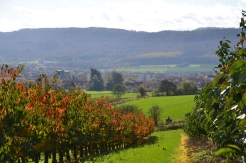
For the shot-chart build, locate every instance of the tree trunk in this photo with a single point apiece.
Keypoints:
(68, 155)
(23, 159)
(89, 150)
(46, 157)
(54, 157)
(81, 151)
(86, 150)
(75, 152)
(60, 156)
(36, 158)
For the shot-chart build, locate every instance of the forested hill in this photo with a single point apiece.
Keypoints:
(197, 46)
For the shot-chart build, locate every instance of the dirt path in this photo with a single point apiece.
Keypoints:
(196, 150)
(183, 150)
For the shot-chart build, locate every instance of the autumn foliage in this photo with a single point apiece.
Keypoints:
(39, 119)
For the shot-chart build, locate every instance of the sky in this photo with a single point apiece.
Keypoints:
(137, 15)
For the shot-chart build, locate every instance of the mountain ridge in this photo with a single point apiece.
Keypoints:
(92, 43)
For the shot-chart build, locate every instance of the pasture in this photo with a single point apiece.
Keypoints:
(174, 106)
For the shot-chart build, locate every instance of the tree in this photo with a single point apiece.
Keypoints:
(118, 90)
(187, 88)
(114, 78)
(96, 82)
(153, 83)
(167, 87)
(97, 73)
(142, 91)
(155, 113)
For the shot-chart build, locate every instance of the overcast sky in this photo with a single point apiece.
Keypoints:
(139, 15)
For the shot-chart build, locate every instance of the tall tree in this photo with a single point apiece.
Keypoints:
(97, 73)
(96, 82)
(113, 79)
(167, 87)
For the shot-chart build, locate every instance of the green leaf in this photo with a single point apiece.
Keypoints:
(239, 77)
(217, 79)
(222, 151)
(242, 52)
(237, 97)
(237, 66)
(234, 147)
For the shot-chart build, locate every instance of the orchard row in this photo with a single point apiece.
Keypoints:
(38, 119)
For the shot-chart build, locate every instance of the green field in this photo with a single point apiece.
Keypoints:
(98, 94)
(164, 69)
(162, 148)
(157, 55)
(174, 106)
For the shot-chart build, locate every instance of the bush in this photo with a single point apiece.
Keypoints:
(155, 93)
(124, 109)
(142, 91)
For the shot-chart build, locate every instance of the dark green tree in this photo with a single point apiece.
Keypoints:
(96, 81)
(142, 91)
(167, 87)
(118, 90)
(95, 84)
(114, 78)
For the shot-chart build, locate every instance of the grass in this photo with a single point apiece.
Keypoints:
(174, 106)
(162, 147)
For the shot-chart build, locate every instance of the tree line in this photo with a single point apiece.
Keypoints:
(114, 83)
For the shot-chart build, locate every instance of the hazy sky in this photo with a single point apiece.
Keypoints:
(140, 15)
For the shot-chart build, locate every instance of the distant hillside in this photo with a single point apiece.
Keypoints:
(116, 45)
